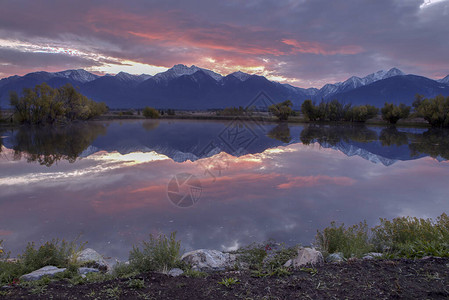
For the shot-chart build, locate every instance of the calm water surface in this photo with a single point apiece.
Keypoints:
(239, 182)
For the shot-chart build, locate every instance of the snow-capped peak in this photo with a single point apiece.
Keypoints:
(393, 72)
(444, 80)
(181, 70)
(79, 75)
(379, 75)
(241, 76)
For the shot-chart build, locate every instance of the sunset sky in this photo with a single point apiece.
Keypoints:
(302, 42)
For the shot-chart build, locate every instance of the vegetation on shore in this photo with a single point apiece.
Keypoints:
(403, 237)
(150, 113)
(45, 105)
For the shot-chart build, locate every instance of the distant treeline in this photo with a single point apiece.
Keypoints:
(46, 105)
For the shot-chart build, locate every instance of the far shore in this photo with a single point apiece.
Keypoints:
(262, 117)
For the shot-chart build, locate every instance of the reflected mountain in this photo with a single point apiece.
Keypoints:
(183, 140)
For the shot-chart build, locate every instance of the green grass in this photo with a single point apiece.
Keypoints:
(401, 237)
(59, 253)
(229, 281)
(160, 253)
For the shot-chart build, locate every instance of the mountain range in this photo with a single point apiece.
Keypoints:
(183, 87)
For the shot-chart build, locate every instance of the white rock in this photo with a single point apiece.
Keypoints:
(45, 271)
(84, 271)
(372, 255)
(175, 272)
(305, 256)
(94, 258)
(335, 257)
(213, 260)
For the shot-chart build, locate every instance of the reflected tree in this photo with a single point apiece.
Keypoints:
(434, 142)
(48, 145)
(150, 125)
(333, 135)
(281, 133)
(392, 137)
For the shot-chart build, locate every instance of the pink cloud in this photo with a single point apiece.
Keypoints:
(311, 181)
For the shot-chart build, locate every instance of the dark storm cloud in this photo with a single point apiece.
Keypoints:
(311, 42)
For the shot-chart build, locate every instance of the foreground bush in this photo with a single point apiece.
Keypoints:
(160, 253)
(402, 237)
(57, 253)
(351, 241)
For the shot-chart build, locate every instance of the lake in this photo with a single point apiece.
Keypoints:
(219, 184)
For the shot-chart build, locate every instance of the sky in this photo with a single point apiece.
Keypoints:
(306, 43)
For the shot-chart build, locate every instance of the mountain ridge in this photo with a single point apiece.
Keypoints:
(183, 87)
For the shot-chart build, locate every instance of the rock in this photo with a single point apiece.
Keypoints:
(335, 257)
(175, 272)
(45, 271)
(209, 260)
(84, 271)
(305, 256)
(91, 258)
(372, 255)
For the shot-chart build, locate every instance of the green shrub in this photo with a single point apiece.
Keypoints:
(351, 241)
(56, 253)
(402, 237)
(413, 237)
(160, 253)
(149, 112)
(136, 283)
(393, 113)
(123, 270)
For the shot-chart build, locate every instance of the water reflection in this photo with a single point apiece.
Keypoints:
(187, 140)
(281, 133)
(280, 188)
(48, 145)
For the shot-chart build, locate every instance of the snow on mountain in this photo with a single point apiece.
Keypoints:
(180, 70)
(379, 75)
(76, 75)
(130, 77)
(241, 76)
(328, 89)
(444, 80)
(355, 82)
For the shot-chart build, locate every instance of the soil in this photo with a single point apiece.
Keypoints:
(359, 279)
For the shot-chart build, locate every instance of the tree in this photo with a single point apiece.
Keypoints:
(363, 113)
(282, 110)
(150, 113)
(393, 113)
(45, 105)
(435, 110)
(309, 110)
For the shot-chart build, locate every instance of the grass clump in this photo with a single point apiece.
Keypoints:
(229, 281)
(58, 253)
(266, 259)
(351, 241)
(61, 254)
(160, 253)
(413, 237)
(402, 237)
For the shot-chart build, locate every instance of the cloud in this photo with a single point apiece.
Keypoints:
(307, 43)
